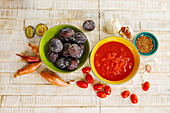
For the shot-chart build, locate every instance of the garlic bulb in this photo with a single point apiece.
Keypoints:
(112, 25)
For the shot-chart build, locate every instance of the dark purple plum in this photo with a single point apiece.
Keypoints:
(65, 51)
(75, 51)
(89, 25)
(61, 63)
(68, 62)
(80, 38)
(82, 48)
(52, 56)
(56, 45)
(74, 63)
(66, 34)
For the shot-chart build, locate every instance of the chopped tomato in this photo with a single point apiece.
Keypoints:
(115, 59)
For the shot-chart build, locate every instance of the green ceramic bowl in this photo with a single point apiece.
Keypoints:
(44, 46)
(152, 37)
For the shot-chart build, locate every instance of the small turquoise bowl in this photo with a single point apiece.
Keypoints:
(153, 38)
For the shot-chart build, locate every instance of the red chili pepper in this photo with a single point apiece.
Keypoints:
(98, 87)
(34, 48)
(86, 69)
(89, 78)
(101, 94)
(29, 58)
(125, 94)
(146, 86)
(107, 90)
(134, 99)
(82, 84)
(28, 69)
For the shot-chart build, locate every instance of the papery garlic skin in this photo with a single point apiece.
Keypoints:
(141, 67)
(112, 25)
(148, 68)
(131, 30)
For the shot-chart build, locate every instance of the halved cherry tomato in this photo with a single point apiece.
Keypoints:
(125, 94)
(146, 86)
(101, 94)
(82, 84)
(107, 90)
(86, 69)
(89, 78)
(98, 87)
(134, 98)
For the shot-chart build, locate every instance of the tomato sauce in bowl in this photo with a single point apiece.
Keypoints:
(113, 61)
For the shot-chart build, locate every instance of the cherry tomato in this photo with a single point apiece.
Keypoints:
(89, 78)
(82, 84)
(86, 69)
(146, 86)
(98, 87)
(125, 94)
(101, 94)
(107, 90)
(134, 99)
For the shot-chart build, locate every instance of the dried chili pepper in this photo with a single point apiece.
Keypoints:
(29, 58)
(28, 69)
(34, 48)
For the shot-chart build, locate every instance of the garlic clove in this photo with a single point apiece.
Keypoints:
(112, 25)
(108, 25)
(148, 68)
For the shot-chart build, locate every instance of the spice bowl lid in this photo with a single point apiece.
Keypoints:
(152, 37)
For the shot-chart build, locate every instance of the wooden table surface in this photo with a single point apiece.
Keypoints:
(32, 94)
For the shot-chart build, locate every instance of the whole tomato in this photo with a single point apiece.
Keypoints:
(101, 94)
(134, 99)
(89, 78)
(82, 84)
(86, 70)
(146, 86)
(98, 87)
(125, 94)
(107, 90)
